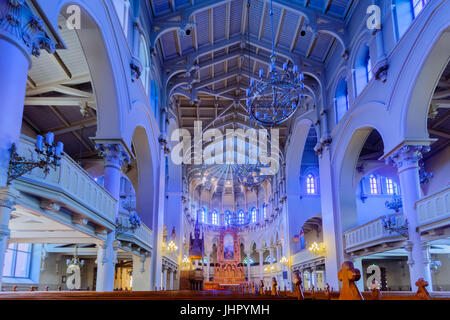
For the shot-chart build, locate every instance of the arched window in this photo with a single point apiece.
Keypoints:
(418, 5)
(215, 218)
(405, 11)
(227, 217)
(368, 65)
(341, 100)
(253, 215)
(145, 60)
(363, 69)
(241, 217)
(311, 186)
(264, 211)
(373, 184)
(203, 216)
(154, 97)
(391, 187)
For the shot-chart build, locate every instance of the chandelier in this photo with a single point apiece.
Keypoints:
(249, 175)
(273, 99)
(239, 219)
(75, 261)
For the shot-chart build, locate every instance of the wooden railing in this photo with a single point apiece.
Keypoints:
(434, 210)
(76, 187)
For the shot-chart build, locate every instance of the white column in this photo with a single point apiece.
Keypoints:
(261, 263)
(313, 274)
(357, 263)
(164, 278)
(248, 265)
(406, 160)
(7, 202)
(114, 157)
(278, 249)
(208, 263)
(17, 43)
(158, 221)
(332, 235)
(171, 279)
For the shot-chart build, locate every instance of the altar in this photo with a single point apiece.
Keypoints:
(229, 270)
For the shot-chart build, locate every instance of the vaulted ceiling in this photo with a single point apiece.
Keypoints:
(210, 49)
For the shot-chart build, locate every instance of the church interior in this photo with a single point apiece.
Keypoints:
(271, 149)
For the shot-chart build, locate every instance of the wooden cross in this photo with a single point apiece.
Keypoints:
(422, 292)
(348, 275)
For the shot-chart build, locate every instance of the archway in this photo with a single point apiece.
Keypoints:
(144, 180)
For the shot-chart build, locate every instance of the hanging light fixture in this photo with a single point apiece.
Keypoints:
(249, 175)
(75, 260)
(272, 100)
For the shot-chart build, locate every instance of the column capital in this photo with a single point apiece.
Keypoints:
(8, 197)
(19, 25)
(407, 156)
(113, 153)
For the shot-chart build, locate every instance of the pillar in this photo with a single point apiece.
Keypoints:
(332, 233)
(208, 263)
(406, 160)
(8, 199)
(261, 264)
(171, 279)
(278, 249)
(313, 276)
(357, 263)
(158, 219)
(164, 278)
(114, 157)
(17, 43)
(248, 265)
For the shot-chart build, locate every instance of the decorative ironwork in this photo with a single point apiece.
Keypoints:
(249, 175)
(49, 157)
(75, 260)
(239, 219)
(395, 223)
(395, 203)
(272, 100)
(424, 176)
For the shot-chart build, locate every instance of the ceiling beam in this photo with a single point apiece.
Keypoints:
(60, 101)
(263, 21)
(439, 133)
(327, 6)
(280, 26)
(298, 30)
(67, 124)
(61, 89)
(74, 126)
(312, 44)
(176, 35)
(442, 94)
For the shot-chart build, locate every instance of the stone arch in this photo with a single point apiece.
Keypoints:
(145, 182)
(102, 57)
(347, 212)
(414, 113)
